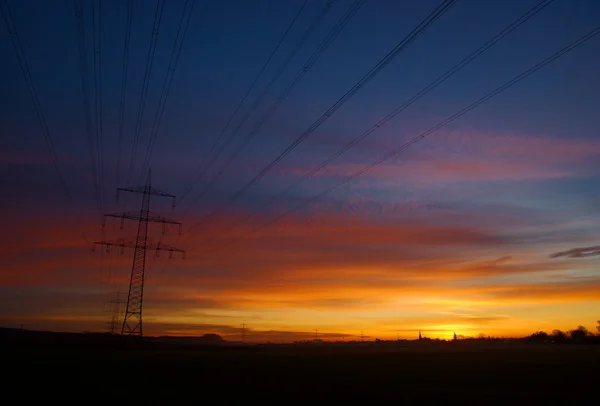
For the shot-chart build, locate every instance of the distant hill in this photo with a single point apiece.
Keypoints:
(18, 337)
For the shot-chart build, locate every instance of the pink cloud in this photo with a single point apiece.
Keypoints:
(24, 158)
(449, 171)
(469, 156)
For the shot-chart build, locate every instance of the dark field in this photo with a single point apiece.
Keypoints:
(446, 373)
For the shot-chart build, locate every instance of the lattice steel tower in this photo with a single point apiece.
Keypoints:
(132, 323)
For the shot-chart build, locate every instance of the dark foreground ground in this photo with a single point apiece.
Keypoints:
(447, 373)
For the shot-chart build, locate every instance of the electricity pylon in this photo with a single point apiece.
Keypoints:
(132, 322)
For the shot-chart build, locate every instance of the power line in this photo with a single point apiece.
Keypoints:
(251, 87)
(125, 70)
(450, 72)
(202, 167)
(149, 62)
(164, 94)
(83, 70)
(97, 42)
(438, 126)
(391, 55)
(352, 10)
(20, 53)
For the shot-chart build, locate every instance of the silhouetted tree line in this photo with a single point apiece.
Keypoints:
(580, 335)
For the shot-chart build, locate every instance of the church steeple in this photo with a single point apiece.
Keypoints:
(420, 335)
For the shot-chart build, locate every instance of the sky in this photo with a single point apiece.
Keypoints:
(488, 225)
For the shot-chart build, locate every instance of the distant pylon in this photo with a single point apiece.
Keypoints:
(316, 334)
(132, 322)
(243, 332)
(115, 309)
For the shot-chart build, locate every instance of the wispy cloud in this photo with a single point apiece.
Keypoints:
(581, 252)
(474, 156)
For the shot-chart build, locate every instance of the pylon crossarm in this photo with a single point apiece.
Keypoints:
(150, 245)
(157, 218)
(114, 243)
(135, 215)
(144, 190)
(163, 247)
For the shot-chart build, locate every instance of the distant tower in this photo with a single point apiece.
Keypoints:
(243, 332)
(420, 338)
(454, 336)
(362, 337)
(316, 334)
(115, 309)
